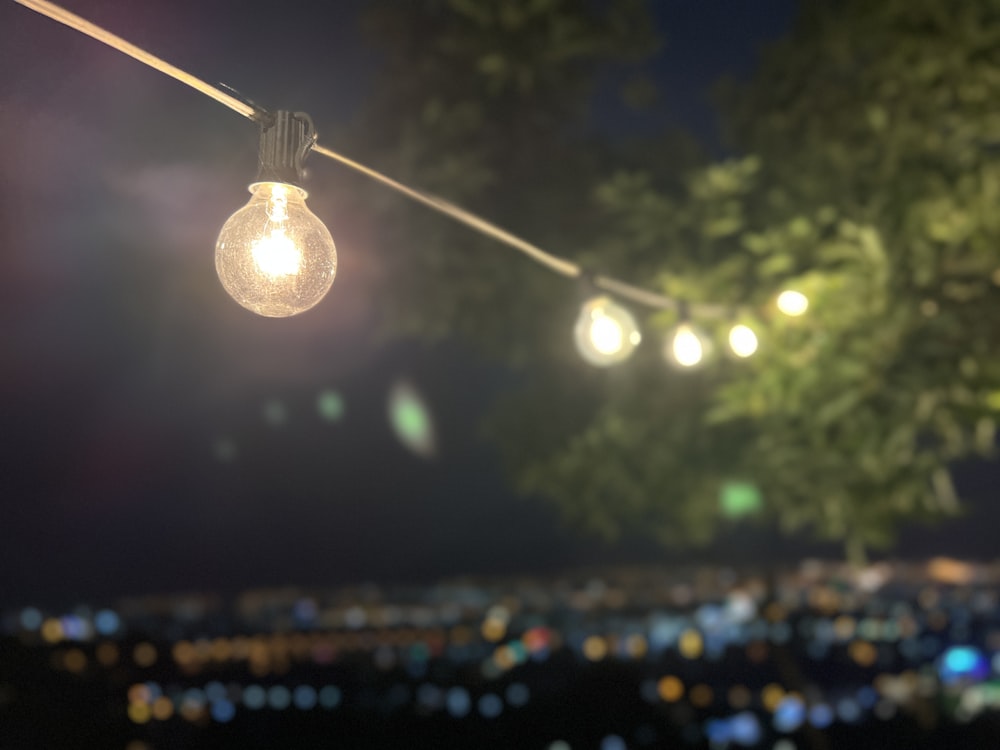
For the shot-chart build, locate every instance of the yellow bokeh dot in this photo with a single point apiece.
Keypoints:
(494, 629)
(75, 661)
(144, 654)
(863, 653)
(107, 654)
(222, 649)
(505, 658)
(701, 696)
(771, 696)
(184, 653)
(636, 646)
(595, 648)
(52, 630)
(670, 689)
(163, 708)
(139, 713)
(690, 644)
(844, 626)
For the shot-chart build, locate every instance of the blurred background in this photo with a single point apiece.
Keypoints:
(414, 515)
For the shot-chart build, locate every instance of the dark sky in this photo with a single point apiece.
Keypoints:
(127, 373)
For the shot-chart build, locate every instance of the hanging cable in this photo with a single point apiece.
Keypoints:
(553, 262)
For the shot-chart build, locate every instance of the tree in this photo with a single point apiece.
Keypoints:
(870, 182)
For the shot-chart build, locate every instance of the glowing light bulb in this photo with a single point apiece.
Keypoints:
(686, 346)
(742, 340)
(605, 333)
(793, 303)
(274, 256)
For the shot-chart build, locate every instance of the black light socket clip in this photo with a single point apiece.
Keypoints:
(285, 140)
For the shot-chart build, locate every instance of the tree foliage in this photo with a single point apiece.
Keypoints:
(869, 179)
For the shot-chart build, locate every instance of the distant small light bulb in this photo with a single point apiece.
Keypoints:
(274, 256)
(793, 303)
(742, 340)
(686, 346)
(605, 333)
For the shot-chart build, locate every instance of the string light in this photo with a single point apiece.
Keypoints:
(276, 258)
(605, 333)
(793, 303)
(742, 340)
(686, 348)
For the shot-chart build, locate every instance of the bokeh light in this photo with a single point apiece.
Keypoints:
(744, 729)
(52, 630)
(411, 420)
(605, 332)
(963, 663)
(254, 697)
(740, 499)
(279, 697)
(75, 661)
(670, 688)
(793, 303)
(329, 696)
(31, 619)
(304, 697)
(144, 654)
(330, 405)
(457, 702)
(690, 644)
(790, 714)
(223, 711)
(742, 340)
(701, 695)
(107, 622)
(490, 706)
(139, 713)
(686, 347)
(820, 715)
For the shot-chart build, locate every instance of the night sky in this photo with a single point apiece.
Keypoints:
(156, 436)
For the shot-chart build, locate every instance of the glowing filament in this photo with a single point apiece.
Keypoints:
(606, 334)
(276, 254)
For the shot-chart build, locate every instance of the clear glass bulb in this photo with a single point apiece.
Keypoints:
(793, 303)
(742, 340)
(274, 256)
(605, 333)
(686, 346)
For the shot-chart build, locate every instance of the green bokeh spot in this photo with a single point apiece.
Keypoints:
(411, 420)
(330, 405)
(739, 499)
